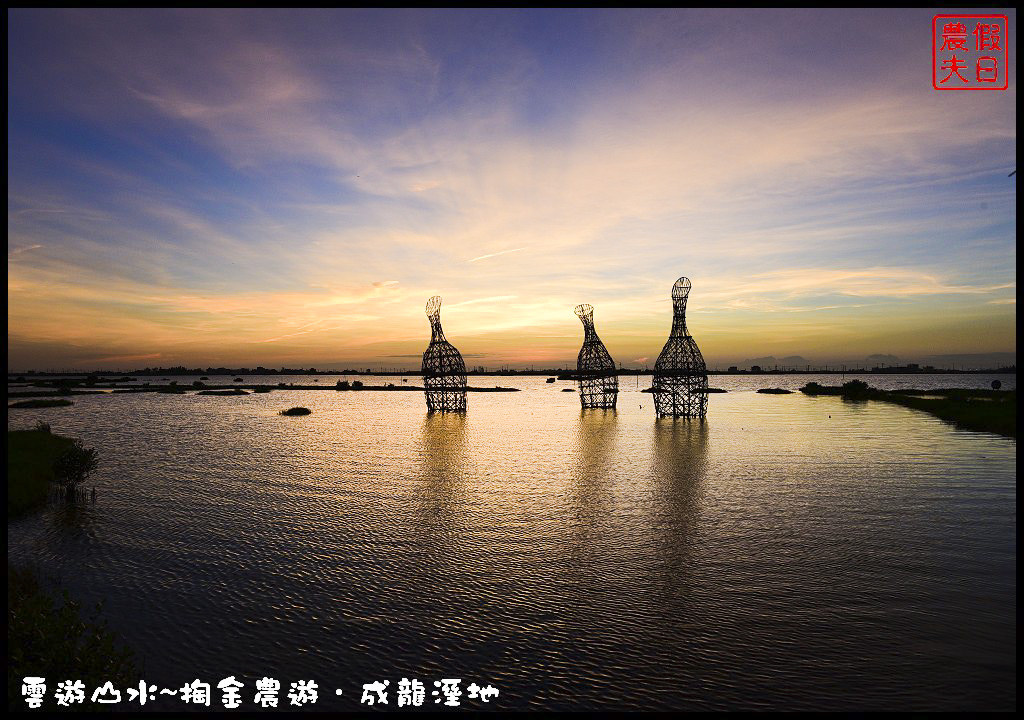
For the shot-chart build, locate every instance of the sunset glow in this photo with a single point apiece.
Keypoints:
(208, 188)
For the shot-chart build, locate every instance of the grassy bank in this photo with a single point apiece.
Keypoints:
(49, 635)
(992, 411)
(53, 639)
(41, 403)
(31, 455)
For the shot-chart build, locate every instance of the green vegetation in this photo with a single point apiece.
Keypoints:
(57, 402)
(986, 410)
(31, 459)
(52, 640)
(74, 466)
(774, 391)
(296, 411)
(47, 637)
(51, 393)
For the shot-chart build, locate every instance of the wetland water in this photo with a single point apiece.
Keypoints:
(789, 552)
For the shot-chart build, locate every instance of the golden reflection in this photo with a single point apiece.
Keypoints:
(442, 448)
(591, 495)
(679, 479)
(680, 454)
(441, 517)
(591, 533)
(442, 455)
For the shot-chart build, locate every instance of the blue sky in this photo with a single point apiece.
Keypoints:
(284, 187)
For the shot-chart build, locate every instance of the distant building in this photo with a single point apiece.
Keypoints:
(733, 368)
(896, 369)
(755, 368)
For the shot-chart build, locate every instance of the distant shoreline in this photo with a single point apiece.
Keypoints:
(202, 389)
(562, 373)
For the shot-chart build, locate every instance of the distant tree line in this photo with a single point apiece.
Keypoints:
(564, 373)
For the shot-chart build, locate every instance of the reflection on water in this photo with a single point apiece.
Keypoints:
(788, 552)
(75, 516)
(678, 471)
(439, 496)
(443, 448)
(591, 493)
(679, 454)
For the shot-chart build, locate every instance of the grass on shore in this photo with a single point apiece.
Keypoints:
(40, 403)
(52, 639)
(992, 411)
(31, 455)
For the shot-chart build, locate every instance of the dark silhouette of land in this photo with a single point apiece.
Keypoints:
(61, 386)
(992, 410)
(564, 373)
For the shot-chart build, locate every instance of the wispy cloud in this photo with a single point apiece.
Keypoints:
(25, 248)
(490, 255)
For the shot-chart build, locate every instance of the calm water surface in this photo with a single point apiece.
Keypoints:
(789, 552)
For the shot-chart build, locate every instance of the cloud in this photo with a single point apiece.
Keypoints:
(19, 250)
(503, 252)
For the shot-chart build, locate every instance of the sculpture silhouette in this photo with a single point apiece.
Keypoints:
(595, 369)
(444, 372)
(680, 375)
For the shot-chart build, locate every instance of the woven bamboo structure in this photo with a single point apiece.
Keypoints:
(595, 369)
(444, 371)
(680, 375)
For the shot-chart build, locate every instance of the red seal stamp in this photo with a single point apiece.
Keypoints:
(970, 52)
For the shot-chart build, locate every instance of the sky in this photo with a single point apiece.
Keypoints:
(288, 188)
